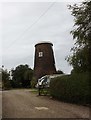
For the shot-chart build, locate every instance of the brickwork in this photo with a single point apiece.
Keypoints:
(44, 62)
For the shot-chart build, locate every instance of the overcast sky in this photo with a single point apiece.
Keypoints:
(27, 23)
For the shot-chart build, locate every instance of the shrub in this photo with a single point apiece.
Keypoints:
(71, 88)
(33, 82)
(5, 80)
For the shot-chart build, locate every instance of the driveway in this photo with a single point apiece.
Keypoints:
(26, 104)
(0, 104)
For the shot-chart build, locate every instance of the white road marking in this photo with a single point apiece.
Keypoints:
(41, 108)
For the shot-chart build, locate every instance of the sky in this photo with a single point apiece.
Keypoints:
(26, 23)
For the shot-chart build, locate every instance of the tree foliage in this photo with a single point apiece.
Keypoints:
(22, 76)
(5, 80)
(81, 52)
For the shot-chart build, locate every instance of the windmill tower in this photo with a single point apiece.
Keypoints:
(44, 62)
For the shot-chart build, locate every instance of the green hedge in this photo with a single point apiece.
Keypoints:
(71, 88)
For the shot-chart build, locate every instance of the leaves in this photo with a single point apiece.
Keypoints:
(22, 76)
(5, 80)
(80, 58)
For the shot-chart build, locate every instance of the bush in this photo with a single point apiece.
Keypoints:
(33, 82)
(5, 80)
(6, 85)
(71, 88)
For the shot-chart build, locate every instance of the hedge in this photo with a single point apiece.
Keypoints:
(71, 88)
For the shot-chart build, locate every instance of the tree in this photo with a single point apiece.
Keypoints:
(28, 77)
(5, 80)
(22, 76)
(81, 52)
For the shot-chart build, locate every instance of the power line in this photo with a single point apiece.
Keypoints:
(31, 25)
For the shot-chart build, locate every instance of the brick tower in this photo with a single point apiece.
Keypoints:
(44, 62)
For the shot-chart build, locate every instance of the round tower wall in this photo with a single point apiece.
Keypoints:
(44, 62)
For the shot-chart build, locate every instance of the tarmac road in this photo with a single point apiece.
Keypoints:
(26, 104)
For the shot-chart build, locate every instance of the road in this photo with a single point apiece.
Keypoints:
(26, 104)
(0, 104)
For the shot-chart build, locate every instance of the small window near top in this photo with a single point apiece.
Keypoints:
(40, 54)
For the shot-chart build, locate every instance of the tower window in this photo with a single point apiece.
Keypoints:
(40, 54)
